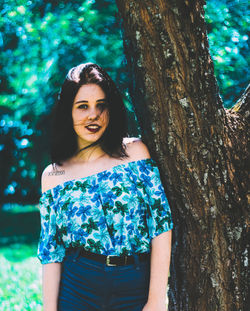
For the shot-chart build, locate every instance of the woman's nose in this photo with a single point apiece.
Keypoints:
(93, 114)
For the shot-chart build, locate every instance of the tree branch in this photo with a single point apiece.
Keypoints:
(243, 104)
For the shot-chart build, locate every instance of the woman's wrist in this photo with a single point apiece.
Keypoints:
(157, 296)
(50, 307)
(157, 301)
(155, 305)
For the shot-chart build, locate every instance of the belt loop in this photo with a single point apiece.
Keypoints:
(136, 257)
(78, 250)
(137, 262)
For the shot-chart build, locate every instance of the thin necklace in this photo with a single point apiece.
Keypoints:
(93, 144)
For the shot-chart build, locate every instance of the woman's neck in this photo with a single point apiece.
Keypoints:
(88, 154)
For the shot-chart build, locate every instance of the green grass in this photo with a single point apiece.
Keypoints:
(20, 278)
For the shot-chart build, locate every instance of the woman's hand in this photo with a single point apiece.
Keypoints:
(155, 306)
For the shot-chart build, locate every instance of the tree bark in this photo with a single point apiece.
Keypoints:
(200, 147)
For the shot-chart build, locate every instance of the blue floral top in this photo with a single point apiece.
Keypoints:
(114, 212)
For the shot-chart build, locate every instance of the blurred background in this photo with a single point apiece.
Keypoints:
(40, 41)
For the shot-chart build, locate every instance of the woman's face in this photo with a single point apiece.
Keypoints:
(90, 114)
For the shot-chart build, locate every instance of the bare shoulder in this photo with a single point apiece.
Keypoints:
(136, 149)
(51, 176)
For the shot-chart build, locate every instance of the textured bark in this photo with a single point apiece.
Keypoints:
(200, 147)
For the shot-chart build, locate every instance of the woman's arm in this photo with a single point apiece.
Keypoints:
(51, 279)
(51, 272)
(160, 260)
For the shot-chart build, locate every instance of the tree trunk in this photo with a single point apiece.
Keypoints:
(200, 147)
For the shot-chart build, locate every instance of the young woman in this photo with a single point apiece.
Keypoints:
(105, 220)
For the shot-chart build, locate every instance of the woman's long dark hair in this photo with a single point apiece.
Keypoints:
(63, 137)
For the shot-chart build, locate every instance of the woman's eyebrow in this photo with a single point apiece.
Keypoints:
(85, 101)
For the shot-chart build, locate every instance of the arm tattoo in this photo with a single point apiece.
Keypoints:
(55, 173)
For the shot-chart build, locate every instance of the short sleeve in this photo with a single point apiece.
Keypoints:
(50, 246)
(159, 217)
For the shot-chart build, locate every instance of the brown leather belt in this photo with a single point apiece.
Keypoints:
(114, 260)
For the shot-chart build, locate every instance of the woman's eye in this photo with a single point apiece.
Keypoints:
(82, 106)
(102, 106)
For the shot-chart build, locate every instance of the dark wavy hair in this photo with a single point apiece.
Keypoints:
(63, 137)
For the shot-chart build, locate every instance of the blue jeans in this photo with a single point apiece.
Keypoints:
(88, 285)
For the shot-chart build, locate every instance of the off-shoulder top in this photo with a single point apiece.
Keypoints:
(114, 212)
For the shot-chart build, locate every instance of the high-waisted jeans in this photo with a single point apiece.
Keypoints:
(88, 285)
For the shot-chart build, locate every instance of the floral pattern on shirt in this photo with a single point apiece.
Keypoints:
(114, 212)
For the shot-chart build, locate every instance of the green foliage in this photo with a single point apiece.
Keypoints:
(42, 40)
(20, 278)
(228, 26)
(17, 208)
(16, 139)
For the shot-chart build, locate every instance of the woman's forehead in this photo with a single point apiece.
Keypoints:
(89, 92)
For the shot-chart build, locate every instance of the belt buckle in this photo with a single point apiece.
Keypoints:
(108, 262)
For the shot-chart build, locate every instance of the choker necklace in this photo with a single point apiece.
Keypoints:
(93, 144)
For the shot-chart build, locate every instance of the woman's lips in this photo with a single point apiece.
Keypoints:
(93, 128)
